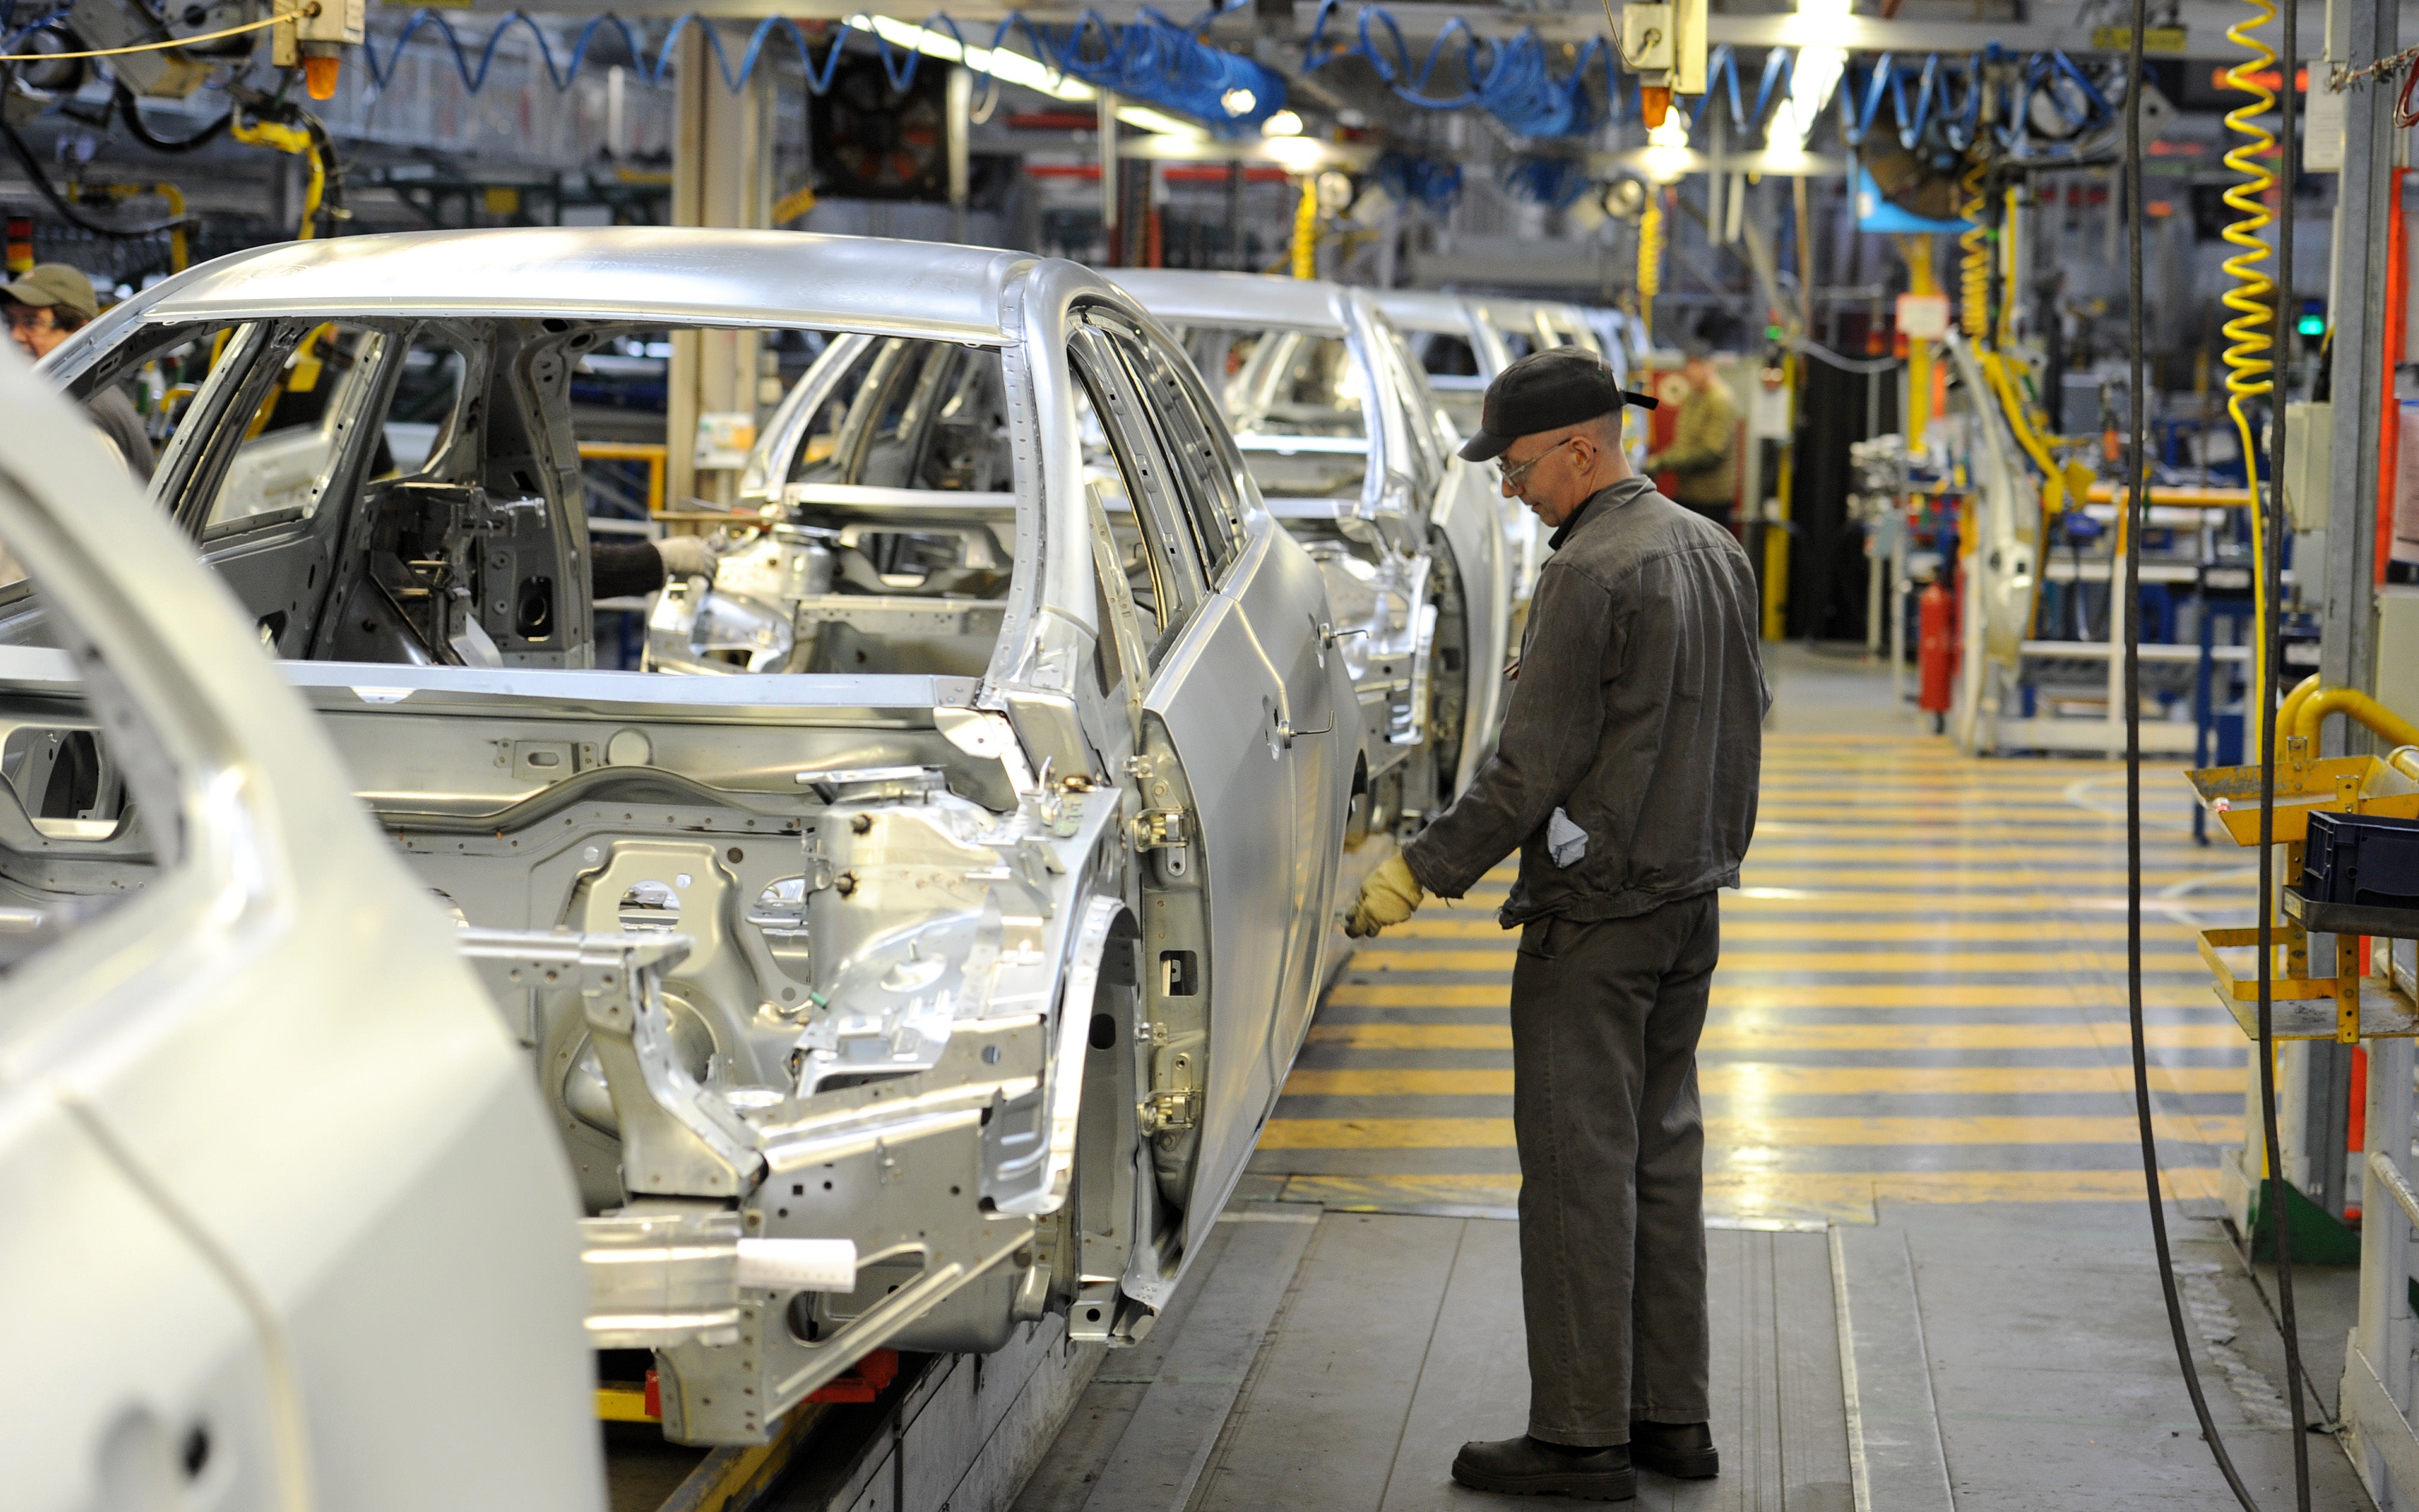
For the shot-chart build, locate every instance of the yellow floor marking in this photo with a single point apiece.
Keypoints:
(1724, 1037)
(1754, 1078)
(1732, 1194)
(2086, 827)
(1979, 875)
(1819, 963)
(2156, 930)
(1762, 900)
(1777, 1132)
(2050, 994)
(1936, 856)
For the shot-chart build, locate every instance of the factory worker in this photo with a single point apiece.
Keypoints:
(44, 306)
(1703, 457)
(1626, 777)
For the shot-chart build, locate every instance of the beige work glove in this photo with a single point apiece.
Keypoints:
(686, 556)
(1390, 896)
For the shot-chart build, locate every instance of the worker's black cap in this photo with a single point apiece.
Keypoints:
(1546, 391)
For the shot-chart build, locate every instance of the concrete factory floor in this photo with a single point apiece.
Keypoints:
(1920, 1125)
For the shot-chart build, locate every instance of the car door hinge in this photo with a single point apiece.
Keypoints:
(1160, 830)
(1166, 1112)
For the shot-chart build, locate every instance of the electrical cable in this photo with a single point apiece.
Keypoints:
(1846, 365)
(2270, 586)
(67, 208)
(144, 47)
(2248, 368)
(2136, 514)
(2270, 520)
(131, 113)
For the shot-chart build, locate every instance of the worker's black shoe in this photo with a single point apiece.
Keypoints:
(1533, 1467)
(1682, 1449)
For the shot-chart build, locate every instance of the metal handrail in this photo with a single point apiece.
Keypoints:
(2399, 1188)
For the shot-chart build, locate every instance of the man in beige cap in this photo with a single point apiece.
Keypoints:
(44, 306)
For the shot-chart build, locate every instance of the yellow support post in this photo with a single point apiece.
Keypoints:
(1917, 250)
(1775, 529)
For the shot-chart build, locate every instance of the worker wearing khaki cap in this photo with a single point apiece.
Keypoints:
(1626, 777)
(44, 306)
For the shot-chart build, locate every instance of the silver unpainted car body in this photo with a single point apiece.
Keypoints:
(267, 1154)
(975, 928)
(1409, 538)
(1496, 330)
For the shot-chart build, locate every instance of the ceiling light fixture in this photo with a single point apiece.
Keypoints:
(1812, 81)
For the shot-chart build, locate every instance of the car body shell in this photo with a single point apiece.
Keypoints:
(990, 967)
(266, 1149)
(1423, 529)
(1497, 329)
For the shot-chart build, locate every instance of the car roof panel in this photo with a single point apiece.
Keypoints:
(675, 274)
(1191, 297)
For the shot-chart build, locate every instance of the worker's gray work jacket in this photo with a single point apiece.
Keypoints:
(1627, 771)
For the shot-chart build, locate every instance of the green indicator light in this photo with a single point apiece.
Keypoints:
(2312, 325)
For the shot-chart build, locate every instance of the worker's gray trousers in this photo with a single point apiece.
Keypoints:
(1604, 1019)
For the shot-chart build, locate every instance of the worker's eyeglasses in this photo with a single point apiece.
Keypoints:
(24, 316)
(1512, 477)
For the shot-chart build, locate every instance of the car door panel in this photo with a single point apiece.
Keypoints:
(1224, 702)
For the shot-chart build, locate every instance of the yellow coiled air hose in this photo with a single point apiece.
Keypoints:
(1305, 229)
(2247, 364)
(1974, 260)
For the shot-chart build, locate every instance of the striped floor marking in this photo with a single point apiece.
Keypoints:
(1757, 1078)
(1723, 1037)
(1921, 999)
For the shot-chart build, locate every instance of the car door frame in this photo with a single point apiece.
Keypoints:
(1223, 742)
(282, 962)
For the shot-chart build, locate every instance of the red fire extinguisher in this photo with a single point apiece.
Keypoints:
(1936, 653)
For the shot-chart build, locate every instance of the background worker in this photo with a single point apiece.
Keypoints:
(49, 302)
(1626, 776)
(1703, 454)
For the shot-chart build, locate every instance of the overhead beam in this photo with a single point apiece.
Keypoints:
(2205, 23)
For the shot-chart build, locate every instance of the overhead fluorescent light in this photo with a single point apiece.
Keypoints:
(1013, 67)
(1812, 81)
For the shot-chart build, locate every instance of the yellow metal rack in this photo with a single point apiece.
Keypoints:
(2346, 1005)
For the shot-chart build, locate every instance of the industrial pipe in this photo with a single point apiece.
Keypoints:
(2293, 708)
(2354, 704)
